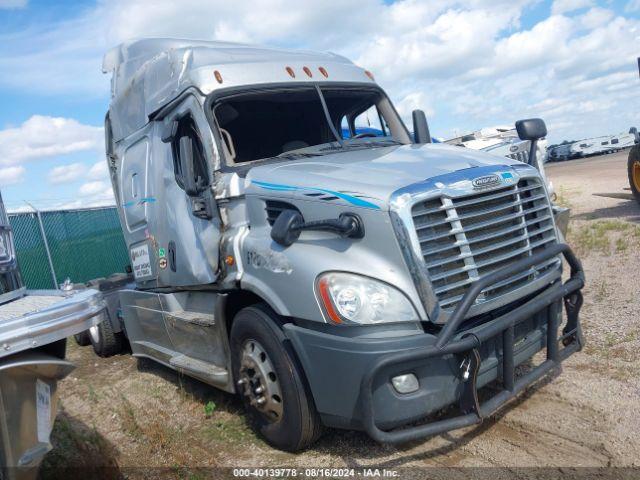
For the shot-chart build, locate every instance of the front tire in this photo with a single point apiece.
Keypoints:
(633, 170)
(270, 382)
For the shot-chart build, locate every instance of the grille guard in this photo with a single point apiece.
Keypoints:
(474, 412)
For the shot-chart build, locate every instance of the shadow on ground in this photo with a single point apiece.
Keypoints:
(629, 210)
(79, 451)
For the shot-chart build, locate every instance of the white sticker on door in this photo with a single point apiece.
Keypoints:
(43, 410)
(140, 261)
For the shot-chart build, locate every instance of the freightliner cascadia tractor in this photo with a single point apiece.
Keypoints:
(293, 243)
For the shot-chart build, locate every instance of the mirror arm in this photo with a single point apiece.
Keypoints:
(347, 225)
(533, 150)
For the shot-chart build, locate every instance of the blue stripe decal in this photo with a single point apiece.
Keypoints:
(358, 202)
(141, 202)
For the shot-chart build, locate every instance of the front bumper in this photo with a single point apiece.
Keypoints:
(350, 377)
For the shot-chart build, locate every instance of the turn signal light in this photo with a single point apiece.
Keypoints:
(290, 71)
(323, 289)
(218, 76)
(369, 74)
(307, 70)
(324, 72)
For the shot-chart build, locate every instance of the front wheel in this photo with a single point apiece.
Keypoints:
(270, 381)
(633, 169)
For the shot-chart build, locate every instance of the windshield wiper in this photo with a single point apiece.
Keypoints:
(294, 155)
(374, 143)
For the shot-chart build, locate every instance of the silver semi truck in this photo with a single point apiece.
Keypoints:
(292, 243)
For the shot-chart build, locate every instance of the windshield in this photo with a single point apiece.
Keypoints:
(258, 125)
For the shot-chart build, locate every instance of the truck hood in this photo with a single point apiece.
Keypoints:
(368, 177)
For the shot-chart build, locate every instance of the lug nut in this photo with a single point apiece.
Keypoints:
(261, 401)
(259, 390)
(241, 382)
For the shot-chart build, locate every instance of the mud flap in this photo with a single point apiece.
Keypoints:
(470, 367)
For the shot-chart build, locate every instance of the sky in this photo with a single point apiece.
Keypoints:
(468, 64)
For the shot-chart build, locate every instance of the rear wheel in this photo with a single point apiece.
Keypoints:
(633, 168)
(83, 339)
(105, 341)
(270, 382)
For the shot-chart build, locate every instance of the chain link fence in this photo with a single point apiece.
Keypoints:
(84, 244)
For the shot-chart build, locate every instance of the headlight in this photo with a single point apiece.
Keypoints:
(349, 298)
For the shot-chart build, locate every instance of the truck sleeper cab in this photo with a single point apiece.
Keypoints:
(292, 243)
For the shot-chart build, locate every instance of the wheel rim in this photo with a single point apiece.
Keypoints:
(636, 175)
(95, 334)
(258, 381)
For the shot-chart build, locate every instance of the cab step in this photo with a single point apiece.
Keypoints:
(206, 371)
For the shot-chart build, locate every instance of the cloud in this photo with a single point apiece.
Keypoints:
(96, 193)
(42, 136)
(565, 6)
(67, 173)
(632, 6)
(471, 63)
(94, 188)
(98, 171)
(12, 4)
(11, 175)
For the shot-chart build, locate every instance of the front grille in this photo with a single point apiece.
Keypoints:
(465, 238)
(520, 156)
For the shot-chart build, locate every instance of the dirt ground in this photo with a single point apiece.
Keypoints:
(122, 412)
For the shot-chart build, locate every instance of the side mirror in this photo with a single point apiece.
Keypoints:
(186, 160)
(420, 127)
(286, 229)
(531, 129)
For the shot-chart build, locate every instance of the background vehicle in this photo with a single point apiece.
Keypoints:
(34, 326)
(329, 275)
(560, 153)
(633, 170)
(633, 164)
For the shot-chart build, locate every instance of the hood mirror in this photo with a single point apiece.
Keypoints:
(532, 129)
(420, 127)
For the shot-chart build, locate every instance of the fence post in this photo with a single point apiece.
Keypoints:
(46, 246)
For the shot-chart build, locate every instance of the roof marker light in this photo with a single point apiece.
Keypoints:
(324, 72)
(290, 71)
(216, 74)
(370, 75)
(307, 70)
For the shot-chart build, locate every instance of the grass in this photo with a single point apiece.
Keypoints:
(93, 396)
(209, 408)
(128, 419)
(562, 199)
(602, 291)
(604, 236)
(78, 446)
(231, 429)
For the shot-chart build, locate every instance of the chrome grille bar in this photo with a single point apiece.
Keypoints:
(464, 238)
